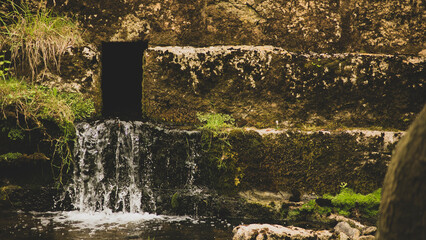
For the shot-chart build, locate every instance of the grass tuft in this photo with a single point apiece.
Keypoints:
(215, 121)
(36, 38)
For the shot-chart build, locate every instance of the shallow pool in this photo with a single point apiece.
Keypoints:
(78, 225)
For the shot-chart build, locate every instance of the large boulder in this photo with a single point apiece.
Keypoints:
(403, 204)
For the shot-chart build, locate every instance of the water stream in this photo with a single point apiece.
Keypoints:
(124, 176)
(122, 166)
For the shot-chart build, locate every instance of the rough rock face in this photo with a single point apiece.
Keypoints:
(80, 73)
(262, 85)
(267, 231)
(308, 161)
(267, 86)
(403, 204)
(302, 25)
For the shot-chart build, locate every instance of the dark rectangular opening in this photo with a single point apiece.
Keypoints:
(122, 79)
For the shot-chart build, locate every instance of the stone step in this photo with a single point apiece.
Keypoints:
(267, 86)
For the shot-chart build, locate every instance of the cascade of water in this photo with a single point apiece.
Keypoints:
(193, 155)
(121, 165)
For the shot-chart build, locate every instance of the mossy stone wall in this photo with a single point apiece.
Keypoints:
(310, 162)
(270, 87)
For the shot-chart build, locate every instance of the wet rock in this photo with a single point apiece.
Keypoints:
(323, 202)
(29, 199)
(345, 228)
(295, 195)
(262, 167)
(367, 237)
(267, 231)
(369, 231)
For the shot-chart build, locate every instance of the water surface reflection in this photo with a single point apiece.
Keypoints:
(76, 225)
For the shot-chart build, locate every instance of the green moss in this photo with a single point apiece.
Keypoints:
(346, 203)
(15, 134)
(175, 200)
(6, 190)
(225, 174)
(347, 200)
(311, 162)
(10, 156)
(215, 121)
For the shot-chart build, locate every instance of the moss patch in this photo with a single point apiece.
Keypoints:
(10, 156)
(346, 203)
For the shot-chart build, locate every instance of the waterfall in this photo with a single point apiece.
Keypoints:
(121, 166)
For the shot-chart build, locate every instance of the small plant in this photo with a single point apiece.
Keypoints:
(15, 134)
(175, 201)
(4, 65)
(215, 121)
(35, 37)
(10, 156)
(5, 190)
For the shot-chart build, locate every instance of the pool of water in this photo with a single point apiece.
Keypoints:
(78, 225)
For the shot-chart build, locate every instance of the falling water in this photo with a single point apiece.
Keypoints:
(121, 166)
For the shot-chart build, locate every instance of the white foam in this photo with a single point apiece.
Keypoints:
(97, 219)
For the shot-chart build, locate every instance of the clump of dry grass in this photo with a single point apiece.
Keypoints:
(36, 38)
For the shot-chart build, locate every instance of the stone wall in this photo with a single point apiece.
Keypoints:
(302, 25)
(263, 85)
(306, 161)
(268, 86)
